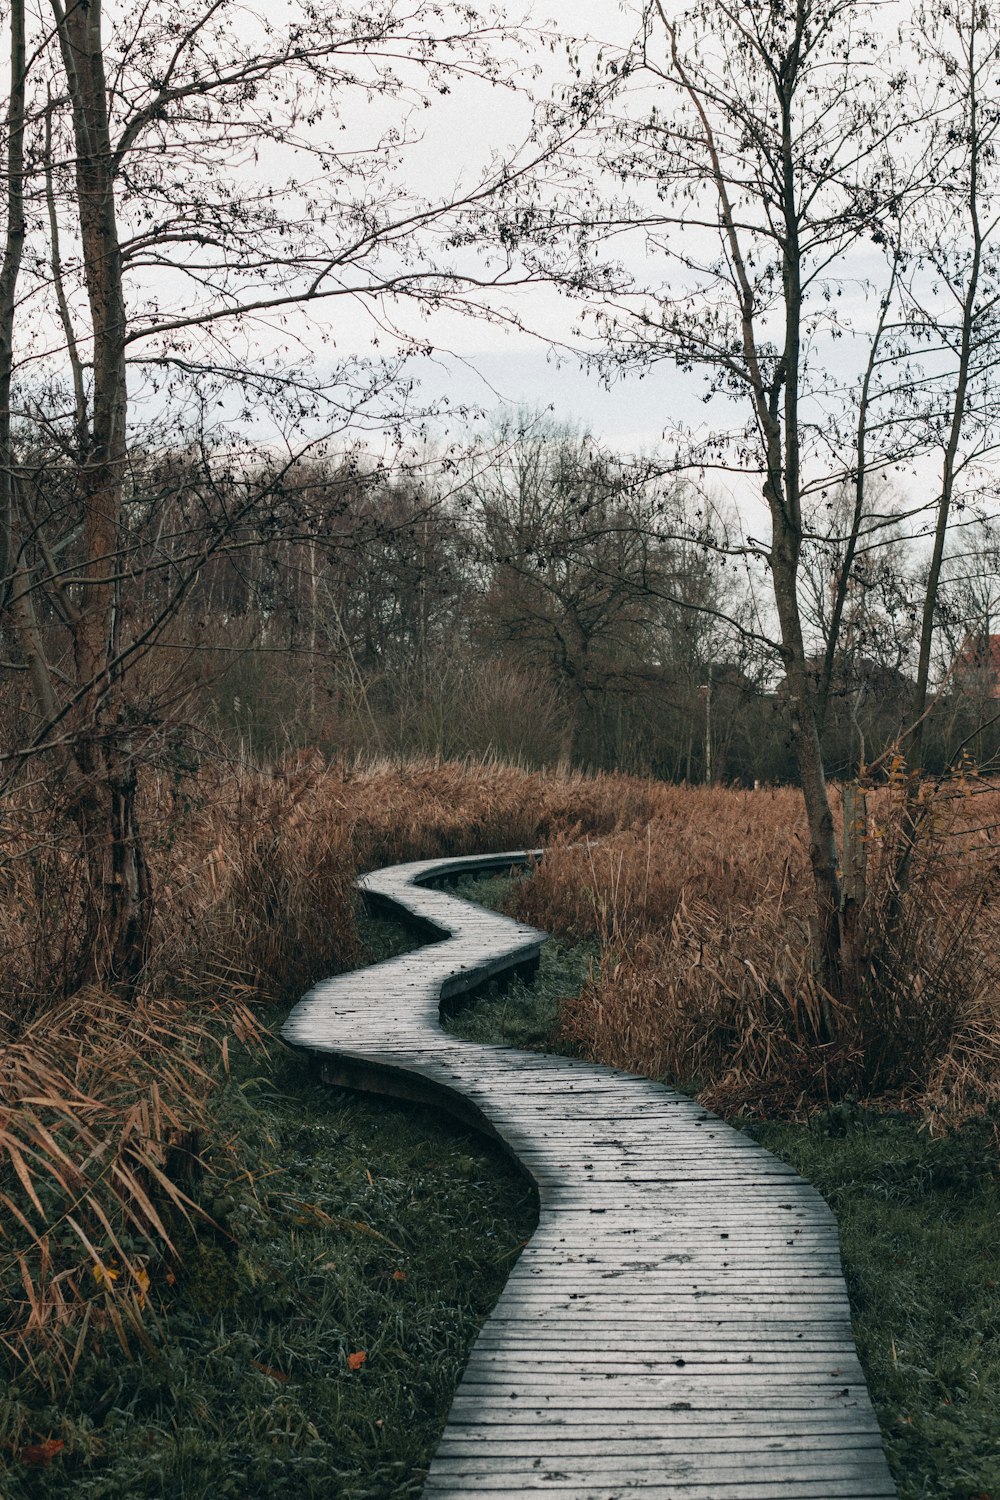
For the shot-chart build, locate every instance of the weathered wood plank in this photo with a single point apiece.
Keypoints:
(678, 1326)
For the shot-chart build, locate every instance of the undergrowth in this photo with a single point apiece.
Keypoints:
(703, 918)
(309, 1340)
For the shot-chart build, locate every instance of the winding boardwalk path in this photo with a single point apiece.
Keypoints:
(678, 1327)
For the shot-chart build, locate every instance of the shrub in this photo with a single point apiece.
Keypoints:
(706, 975)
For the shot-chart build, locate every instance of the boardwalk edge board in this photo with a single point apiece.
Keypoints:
(680, 1312)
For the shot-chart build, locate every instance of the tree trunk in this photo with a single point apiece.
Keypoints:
(9, 272)
(572, 702)
(119, 892)
(567, 735)
(118, 895)
(823, 854)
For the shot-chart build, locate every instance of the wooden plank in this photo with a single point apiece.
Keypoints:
(574, 1466)
(739, 1490)
(868, 1486)
(678, 1327)
(826, 1430)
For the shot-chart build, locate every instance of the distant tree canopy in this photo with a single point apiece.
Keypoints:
(536, 597)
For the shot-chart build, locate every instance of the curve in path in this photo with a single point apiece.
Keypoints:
(678, 1327)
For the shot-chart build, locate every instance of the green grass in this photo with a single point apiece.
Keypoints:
(515, 1013)
(510, 1011)
(346, 1224)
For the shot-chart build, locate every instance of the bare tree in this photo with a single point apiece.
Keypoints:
(782, 170)
(199, 180)
(954, 290)
(571, 561)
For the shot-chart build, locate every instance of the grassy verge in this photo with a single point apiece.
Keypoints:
(345, 1227)
(516, 1013)
(918, 1220)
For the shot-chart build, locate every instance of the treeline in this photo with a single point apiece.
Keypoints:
(533, 596)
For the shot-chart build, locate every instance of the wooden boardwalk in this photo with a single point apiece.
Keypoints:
(678, 1327)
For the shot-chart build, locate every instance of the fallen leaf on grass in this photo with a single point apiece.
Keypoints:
(40, 1455)
(267, 1370)
(399, 1275)
(337, 1223)
(356, 1360)
(142, 1282)
(105, 1276)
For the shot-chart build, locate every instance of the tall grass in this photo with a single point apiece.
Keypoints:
(100, 1108)
(104, 1101)
(700, 900)
(706, 977)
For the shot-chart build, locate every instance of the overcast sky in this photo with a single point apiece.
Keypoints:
(481, 363)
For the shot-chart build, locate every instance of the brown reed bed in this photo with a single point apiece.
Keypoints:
(700, 898)
(706, 978)
(104, 1100)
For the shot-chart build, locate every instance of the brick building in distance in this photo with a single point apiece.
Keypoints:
(978, 665)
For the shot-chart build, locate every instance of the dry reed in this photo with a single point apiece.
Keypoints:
(101, 1102)
(706, 977)
(253, 871)
(701, 899)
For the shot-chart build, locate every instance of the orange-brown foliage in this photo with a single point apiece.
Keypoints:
(256, 885)
(705, 974)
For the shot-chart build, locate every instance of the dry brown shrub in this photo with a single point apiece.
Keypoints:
(931, 1001)
(99, 1100)
(705, 973)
